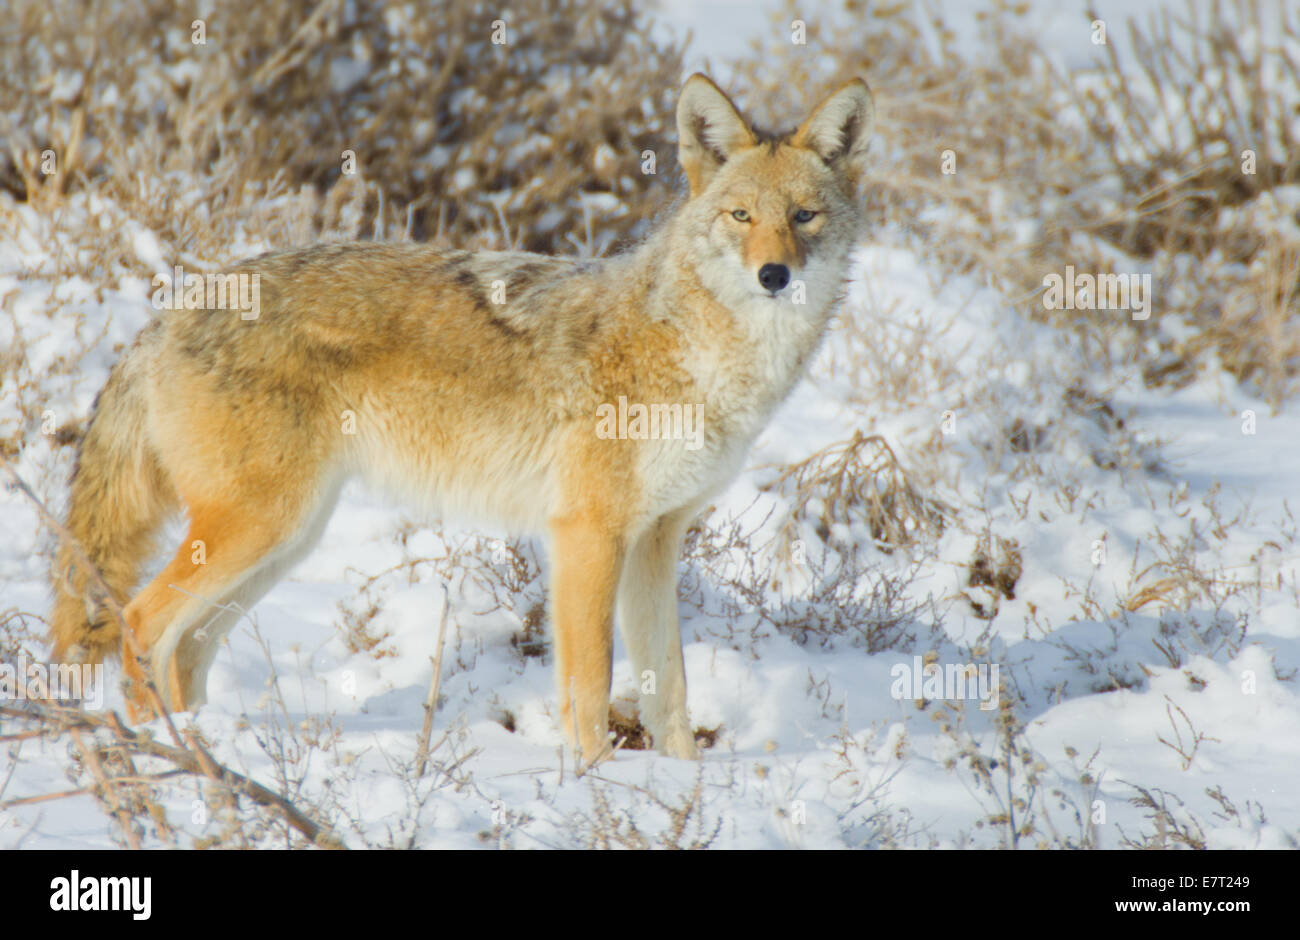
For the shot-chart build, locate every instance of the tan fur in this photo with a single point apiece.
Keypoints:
(474, 407)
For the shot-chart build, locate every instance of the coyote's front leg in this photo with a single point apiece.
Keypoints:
(647, 616)
(587, 558)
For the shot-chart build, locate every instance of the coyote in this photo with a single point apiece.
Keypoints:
(474, 383)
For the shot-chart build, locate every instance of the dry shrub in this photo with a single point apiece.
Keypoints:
(1198, 129)
(1254, 332)
(748, 586)
(1174, 121)
(1173, 826)
(504, 576)
(20, 633)
(455, 136)
(1017, 788)
(861, 480)
(686, 820)
(884, 350)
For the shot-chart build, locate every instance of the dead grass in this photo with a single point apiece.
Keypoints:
(363, 120)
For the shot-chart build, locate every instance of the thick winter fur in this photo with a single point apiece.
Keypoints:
(406, 365)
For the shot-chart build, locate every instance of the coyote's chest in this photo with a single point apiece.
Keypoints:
(736, 383)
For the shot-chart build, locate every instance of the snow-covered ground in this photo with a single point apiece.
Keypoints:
(1148, 640)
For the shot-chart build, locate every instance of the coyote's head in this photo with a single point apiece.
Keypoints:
(773, 213)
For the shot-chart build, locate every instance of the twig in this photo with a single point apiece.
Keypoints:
(199, 764)
(108, 789)
(431, 703)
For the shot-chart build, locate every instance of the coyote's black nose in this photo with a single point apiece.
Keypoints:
(773, 277)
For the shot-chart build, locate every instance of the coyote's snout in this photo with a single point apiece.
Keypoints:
(476, 382)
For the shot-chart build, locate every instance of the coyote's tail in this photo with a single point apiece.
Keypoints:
(119, 498)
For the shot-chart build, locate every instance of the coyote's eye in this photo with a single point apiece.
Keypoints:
(740, 215)
(804, 215)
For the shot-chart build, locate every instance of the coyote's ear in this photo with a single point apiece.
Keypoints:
(840, 128)
(709, 130)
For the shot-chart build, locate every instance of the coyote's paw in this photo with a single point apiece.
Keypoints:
(679, 743)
